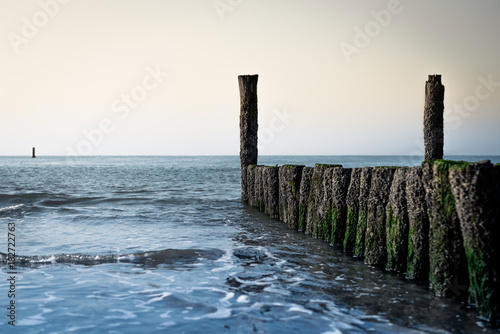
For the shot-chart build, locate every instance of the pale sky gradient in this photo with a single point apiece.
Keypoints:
(69, 75)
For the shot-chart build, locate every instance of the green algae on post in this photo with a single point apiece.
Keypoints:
(304, 190)
(341, 178)
(447, 262)
(316, 203)
(397, 223)
(352, 202)
(476, 189)
(289, 186)
(375, 239)
(418, 231)
(364, 193)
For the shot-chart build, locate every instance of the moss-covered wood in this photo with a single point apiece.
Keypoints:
(289, 186)
(447, 263)
(304, 191)
(341, 178)
(375, 242)
(244, 184)
(248, 119)
(260, 188)
(270, 183)
(397, 223)
(440, 221)
(418, 232)
(248, 127)
(318, 205)
(315, 201)
(449, 235)
(476, 188)
(251, 181)
(364, 194)
(352, 203)
(434, 118)
(326, 210)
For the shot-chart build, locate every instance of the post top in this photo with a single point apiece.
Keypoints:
(434, 78)
(247, 75)
(248, 82)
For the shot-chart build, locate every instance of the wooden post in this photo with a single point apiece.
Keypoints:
(33, 153)
(248, 119)
(476, 191)
(433, 118)
(248, 127)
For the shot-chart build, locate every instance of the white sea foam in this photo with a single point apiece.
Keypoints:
(51, 259)
(298, 308)
(259, 305)
(221, 313)
(159, 297)
(334, 331)
(11, 208)
(228, 296)
(243, 299)
(227, 259)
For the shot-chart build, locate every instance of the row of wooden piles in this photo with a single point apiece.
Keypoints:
(436, 223)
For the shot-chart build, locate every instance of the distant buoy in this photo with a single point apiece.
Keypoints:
(33, 154)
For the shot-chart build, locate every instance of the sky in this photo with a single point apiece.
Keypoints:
(159, 77)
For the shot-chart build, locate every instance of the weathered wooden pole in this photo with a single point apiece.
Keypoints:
(476, 188)
(434, 118)
(33, 153)
(248, 126)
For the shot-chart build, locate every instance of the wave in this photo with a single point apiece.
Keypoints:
(12, 210)
(57, 200)
(149, 259)
(70, 200)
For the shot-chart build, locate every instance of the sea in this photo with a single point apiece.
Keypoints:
(164, 244)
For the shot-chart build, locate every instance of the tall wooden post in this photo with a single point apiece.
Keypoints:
(248, 126)
(434, 118)
(248, 119)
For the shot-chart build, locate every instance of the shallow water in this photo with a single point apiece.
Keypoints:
(164, 244)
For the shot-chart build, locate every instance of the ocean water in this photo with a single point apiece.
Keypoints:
(165, 245)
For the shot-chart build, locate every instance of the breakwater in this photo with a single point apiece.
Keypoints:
(437, 223)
